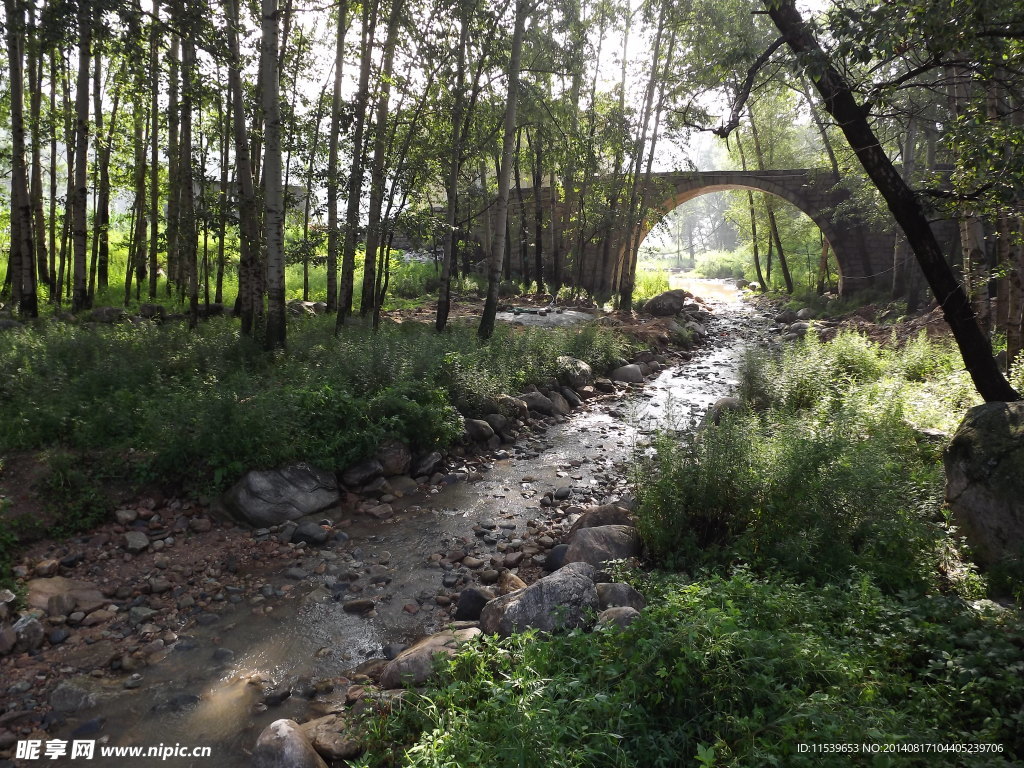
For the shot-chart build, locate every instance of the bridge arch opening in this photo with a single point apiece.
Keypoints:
(708, 229)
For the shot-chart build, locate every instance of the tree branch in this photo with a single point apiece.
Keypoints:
(744, 93)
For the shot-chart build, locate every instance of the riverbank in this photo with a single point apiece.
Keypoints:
(203, 644)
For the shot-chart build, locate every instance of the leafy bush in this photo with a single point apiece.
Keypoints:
(649, 282)
(824, 475)
(730, 670)
(202, 407)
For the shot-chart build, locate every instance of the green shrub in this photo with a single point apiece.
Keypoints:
(730, 670)
(649, 282)
(164, 404)
(824, 474)
(812, 498)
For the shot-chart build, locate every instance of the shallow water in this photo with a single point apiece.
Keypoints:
(308, 635)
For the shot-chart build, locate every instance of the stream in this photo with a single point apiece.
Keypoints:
(198, 692)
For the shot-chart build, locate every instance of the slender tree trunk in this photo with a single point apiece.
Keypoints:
(521, 227)
(173, 155)
(373, 231)
(773, 226)
(901, 258)
(35, 79)
(579, 207)
(154, 143)
(822, 266)
(224, 134)
(22, 262)
(355, 187)
(753, 221)
(138, 253)
(633, 249)
(80, 298)
(64, 279)
(54, 290)
(187, 234)
(97, 148)
(307, 202)
(250, 274)
(486, 329)
(333, 234)
(904, 205)
(538, 210)
(273, 194)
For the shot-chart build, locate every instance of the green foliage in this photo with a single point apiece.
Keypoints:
(1017, 373)
(200, 408)
(413, 279)
(74, 487)
(725, 264)
(827, 474)
(649, 282)
(731, 670)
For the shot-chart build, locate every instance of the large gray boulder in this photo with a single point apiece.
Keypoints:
(619, 616)
(262, 499)
(719, 409)
(74, 695)
(628, 373)
(283, 744)
(513, 407)
(985, 480)
(559, 405)
(616, 594)
(606, 514)
(394, 458)
(414, 665)
(574, 372)
(478, 430)
(108, 315)
(667, 303)
(559, 601)
(535, 401)
(597, 546)
(362, 473)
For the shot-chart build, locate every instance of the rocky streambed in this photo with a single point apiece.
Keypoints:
(174, 626)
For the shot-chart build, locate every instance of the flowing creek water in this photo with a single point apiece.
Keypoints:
(197, 692)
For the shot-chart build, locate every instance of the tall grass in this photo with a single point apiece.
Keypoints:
(650, 281)
(817, 605)
(201, 407)
(822, 474)
(732, 670)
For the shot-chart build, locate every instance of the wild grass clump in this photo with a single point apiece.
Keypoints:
(725, 264)
(813, 498)
(649, 282)
(200, 408)
(926, 377)
(732, 670)
(824, 473)
(818, 606)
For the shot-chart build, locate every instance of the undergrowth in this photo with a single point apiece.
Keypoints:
(811, 591)
(730, 670)
(199, 408)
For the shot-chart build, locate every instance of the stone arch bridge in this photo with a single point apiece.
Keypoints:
(863, 250)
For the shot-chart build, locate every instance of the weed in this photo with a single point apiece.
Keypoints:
(731, 668)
